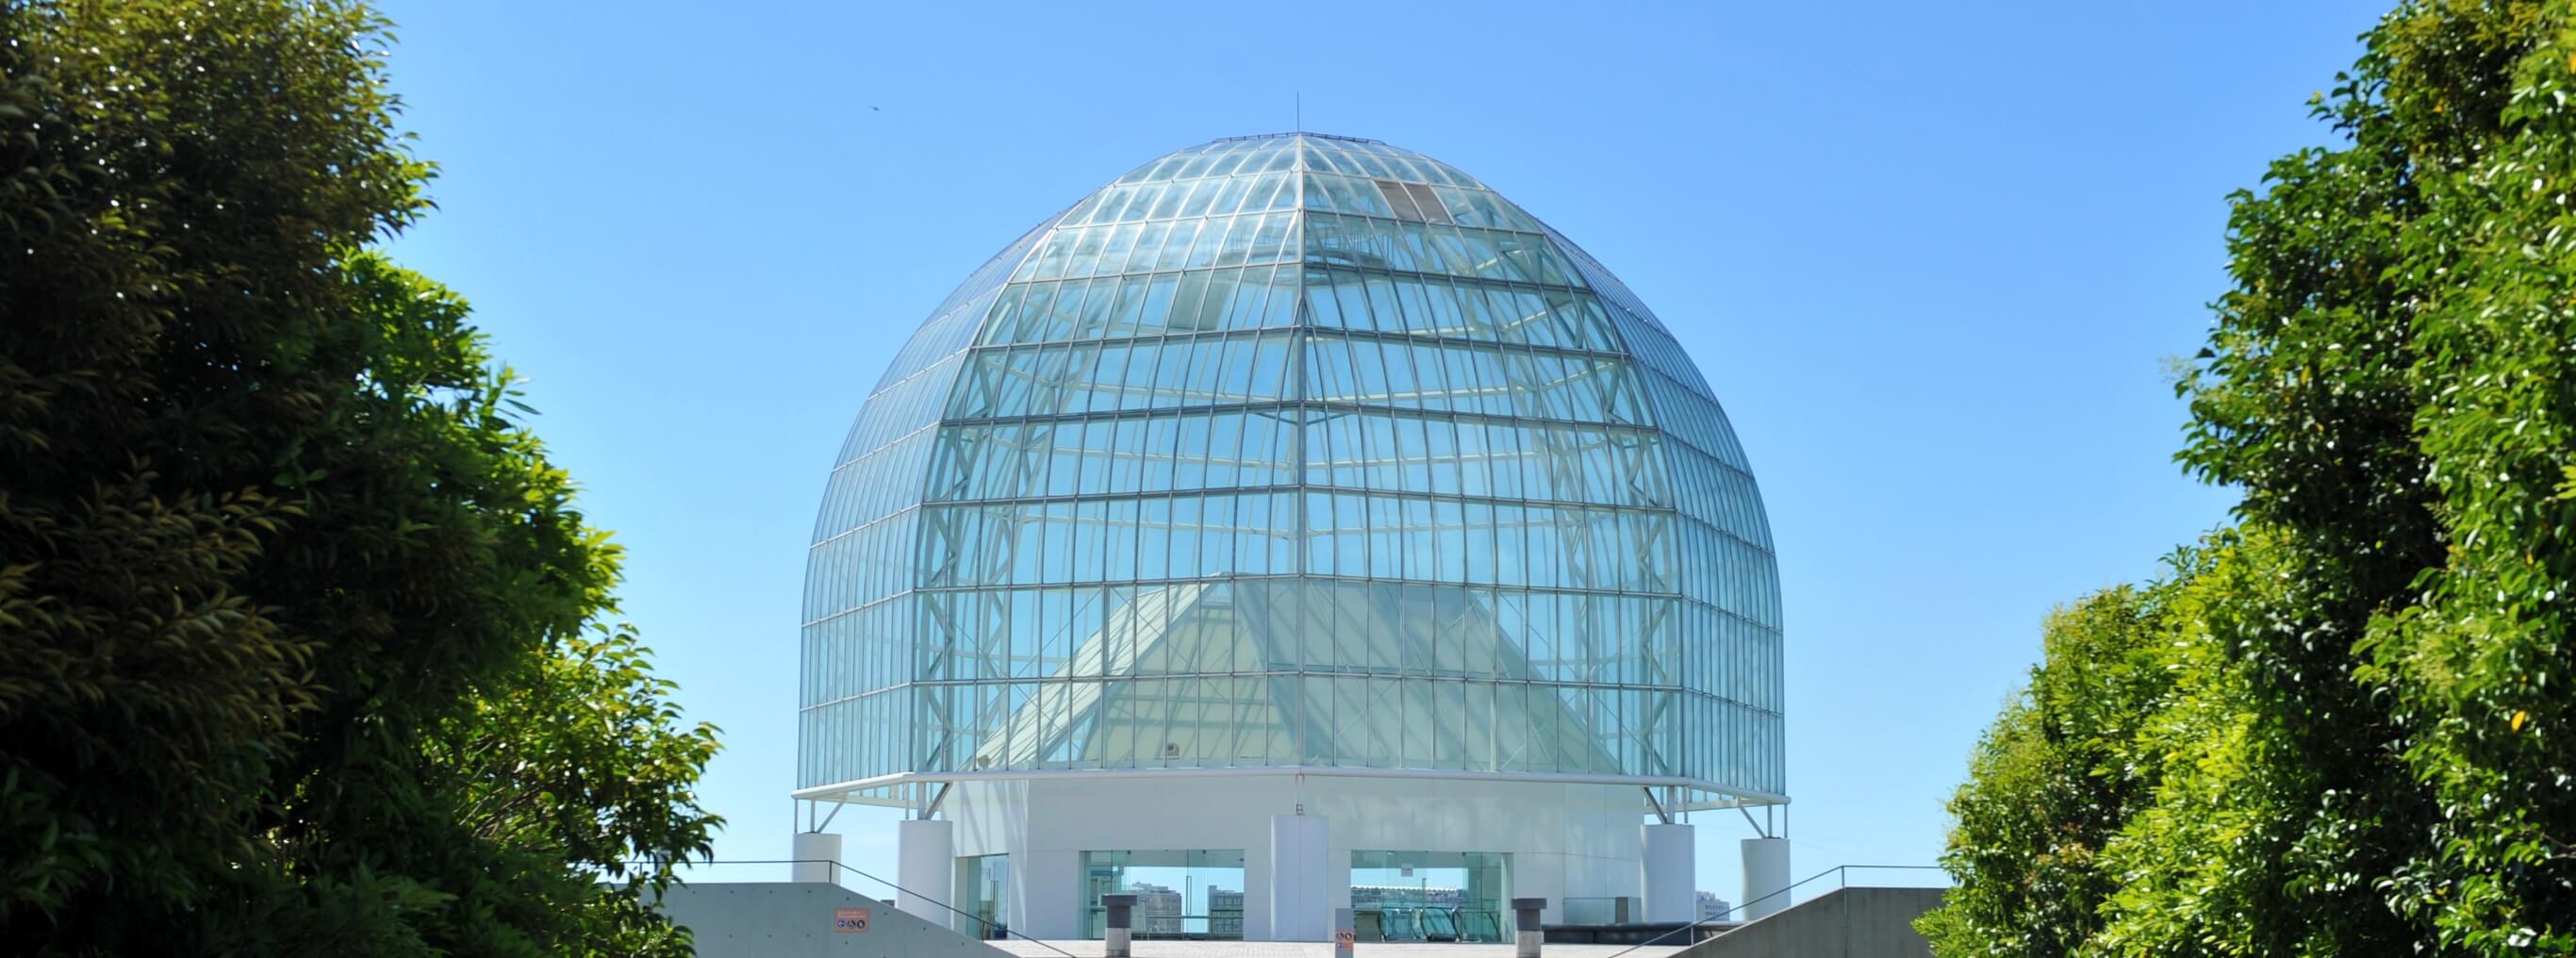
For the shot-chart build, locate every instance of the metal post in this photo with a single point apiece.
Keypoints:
(1122, 916)
(1346, 933)
(1525, 920)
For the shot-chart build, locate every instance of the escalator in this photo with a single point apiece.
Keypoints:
(1434, 923)
(1439, 924)
(1401, 924)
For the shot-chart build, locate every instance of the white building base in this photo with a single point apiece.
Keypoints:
(1561, 840)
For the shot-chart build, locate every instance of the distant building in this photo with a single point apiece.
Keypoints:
(1712, 907)
(1371, 896)
(1225, 912)
(1158, 909)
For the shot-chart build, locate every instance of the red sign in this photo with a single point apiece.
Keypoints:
(849, 920)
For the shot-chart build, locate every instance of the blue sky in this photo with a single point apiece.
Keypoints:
(1931, 258)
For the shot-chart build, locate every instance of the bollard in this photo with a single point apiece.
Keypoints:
(1122, 915)
(1346, 933)
(1525, 919)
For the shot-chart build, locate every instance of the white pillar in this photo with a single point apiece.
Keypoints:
(1766, 873)
(925, 868)
(1670, 861)
(816, 854)
(1301, 907)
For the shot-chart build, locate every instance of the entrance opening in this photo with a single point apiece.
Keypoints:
(1194, 893)
(983, 893)
(1427, 896)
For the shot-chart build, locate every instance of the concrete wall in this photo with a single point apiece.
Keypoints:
(796, 920)
(1846, 923)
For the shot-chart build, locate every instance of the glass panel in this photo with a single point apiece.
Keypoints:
(1528, 509)
(1194, 894)
(983, 894)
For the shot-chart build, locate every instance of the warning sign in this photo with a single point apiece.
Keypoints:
(1344, 939)
(849, 920)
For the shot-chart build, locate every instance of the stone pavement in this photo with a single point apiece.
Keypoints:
(1294, 949)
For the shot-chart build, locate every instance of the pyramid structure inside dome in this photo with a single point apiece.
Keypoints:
(1293, 450)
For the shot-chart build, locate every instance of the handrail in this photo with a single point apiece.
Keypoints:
(844, 866)
(1839, 870)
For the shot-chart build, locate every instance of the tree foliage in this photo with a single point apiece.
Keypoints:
(2366, 744)
(299, 649)
(2053, 780)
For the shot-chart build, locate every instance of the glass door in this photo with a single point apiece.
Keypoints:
(1103, 873)
(983, 893)
(1427, 896)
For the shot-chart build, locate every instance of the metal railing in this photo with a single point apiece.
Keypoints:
(1842, 879)
(990, 927)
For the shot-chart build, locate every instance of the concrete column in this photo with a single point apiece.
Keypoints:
(1670, 861)
(1119, 918)
(816, 854)
(1301, 904)
(1766, 876)
(926, 868)
(1527, 936)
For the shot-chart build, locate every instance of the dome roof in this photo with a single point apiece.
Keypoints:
(1310, 410)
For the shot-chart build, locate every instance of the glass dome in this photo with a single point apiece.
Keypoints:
(1292, 451)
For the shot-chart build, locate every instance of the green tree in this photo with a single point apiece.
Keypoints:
(2210, 865)
(2053, 781)
(2476, 652)
(2366, 746)
(2389, 383)
(298, 641)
